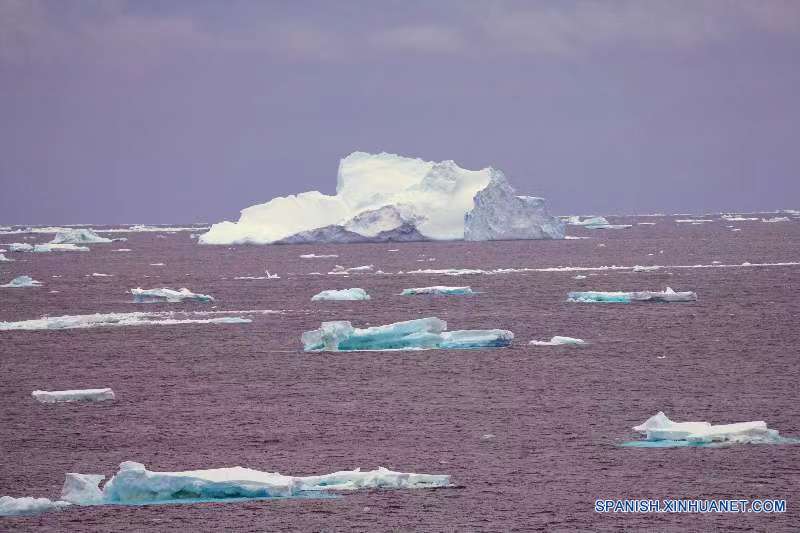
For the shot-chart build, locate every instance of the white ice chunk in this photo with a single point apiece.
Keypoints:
(339, 269)
(667, 295)
(45, 248)
(660, 427)
(423, 333)
(134, 484)
(169, 295)
(90, 395)
(78, 236)
(642, 268)
(318, 256)
(438, 290)
(26, 505)
(21, 282)
(776, 219)
(341, 295)
(118, 319)
(559, 341)
(4, 259)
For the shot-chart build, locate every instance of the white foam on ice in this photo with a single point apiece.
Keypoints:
(660, 428)
(77, 395)
(169, 295)
(439, 290)
(119, 320)
(341, 295)
(26, 506)
(559, 341)
(419, 334)
(21, 282)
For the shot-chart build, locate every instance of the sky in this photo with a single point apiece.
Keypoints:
(151, 111)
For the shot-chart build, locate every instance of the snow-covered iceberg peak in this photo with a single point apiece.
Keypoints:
(78, 236)
(660, 428)
(135, 484)
(419, 334)
(387, 197)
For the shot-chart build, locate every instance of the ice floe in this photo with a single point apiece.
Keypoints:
(660, 431)
(119, 319)
(318, 256)
(439, 290)
(45, 248)
(667, 295)
(423, 333)
(339, 269)
(78, 395)
(693, 220)
(21, 282)
(559, 341)
(341, 295)
(79, 236)
(595, 223)
(4, 259)
(169, 295)
(10, 506)
(122, 250)
(641, 268)
(776, 219)
(386, 197)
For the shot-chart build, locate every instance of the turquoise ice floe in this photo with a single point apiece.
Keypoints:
(668, 295)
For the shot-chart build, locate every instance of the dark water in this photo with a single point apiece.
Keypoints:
(202, 396)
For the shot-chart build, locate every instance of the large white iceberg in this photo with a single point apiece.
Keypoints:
(629, 297)
(423, 333)
(660, 428)
(21, 282)
(341, 295)
(10, 506)
(134, 484)
(78, 236)
(79, 395)
(169, 295)
(118, 320)
(386, 197)
(439, 290)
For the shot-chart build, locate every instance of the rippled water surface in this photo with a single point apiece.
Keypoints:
(197, 396)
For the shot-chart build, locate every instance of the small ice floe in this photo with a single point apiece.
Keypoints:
(439, 290)
(579, 276)
(574, 238)
(100, 275)
(646, 223)
(4, 259)
(271, 276)
(339, 269)
(320, 256)
(736, 229)
(776, 219)
(487, 436)
(595, 223)
(423, 333)
(393, 250)
(133, 484)
(27, 506)
(738, 218)
(693, 220)
(341, 295)
(46, 248)
(169, 295)
(642, 268)
(21, 282)
(560, 341)
(80, 395)
(118, 320)
(156, 264)
(79, 236)
(630, 297)
(660, 431)
(122, 250)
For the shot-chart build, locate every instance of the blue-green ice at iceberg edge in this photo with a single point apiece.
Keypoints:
(419, 334)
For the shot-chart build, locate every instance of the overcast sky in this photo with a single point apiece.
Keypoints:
(122, 111)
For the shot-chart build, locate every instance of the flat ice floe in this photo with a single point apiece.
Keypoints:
(341, 295)
(595, 223)
(423, 333)
(168, 295)
(630, 297)
(439, 290)
(21, 282)
(78, 395)
(660, 431)
(26, 505)
(776, 219)
(133, 484)
(79, 236)
(45, 248)
(119, 319)
(339, 269)
(4, 259)
(315, 256)
(559, 341)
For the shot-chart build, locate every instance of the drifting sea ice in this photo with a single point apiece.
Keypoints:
(559, 341)
(26, 505)
(117, 319)
(439, 290)
(629, 297)
(78, 236)
(46, 248)
(169, 295)
(776, 219)
(660, 431)
(315, 256)
(339, 269)
(4, 259)
(134, 484)
(423, 333)
(79, 395)
(341, 295)
(641, 268)
(21, 282)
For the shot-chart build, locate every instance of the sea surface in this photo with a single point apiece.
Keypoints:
(531, 435)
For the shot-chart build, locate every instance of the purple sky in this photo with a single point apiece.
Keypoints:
(188, 110)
